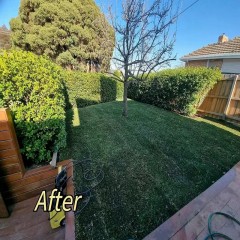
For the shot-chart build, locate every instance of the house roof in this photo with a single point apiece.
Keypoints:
(229, 49)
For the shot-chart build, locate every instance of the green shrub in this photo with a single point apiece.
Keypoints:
(179, 90)
(32, 87)
(86, 89)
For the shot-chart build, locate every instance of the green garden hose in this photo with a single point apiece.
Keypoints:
(211, 234)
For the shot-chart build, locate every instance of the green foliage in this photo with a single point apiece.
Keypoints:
(117, 74)
(179, 90)
(32, 87)
(73, 33)
(86, 89)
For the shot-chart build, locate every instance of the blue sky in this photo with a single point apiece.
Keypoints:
(197, 27)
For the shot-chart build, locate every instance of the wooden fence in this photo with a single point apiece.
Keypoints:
(223, 101)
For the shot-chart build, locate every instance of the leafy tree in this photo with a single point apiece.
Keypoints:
(70, 32)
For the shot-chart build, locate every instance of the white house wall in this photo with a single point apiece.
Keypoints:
(231, 66)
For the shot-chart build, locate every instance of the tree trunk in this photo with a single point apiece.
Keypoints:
(125, 106)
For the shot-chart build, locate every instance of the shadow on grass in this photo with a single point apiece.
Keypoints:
(221, 121)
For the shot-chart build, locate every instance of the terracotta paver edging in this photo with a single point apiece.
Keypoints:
(190, 222)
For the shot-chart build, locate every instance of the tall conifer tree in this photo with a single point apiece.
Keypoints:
(73, 33)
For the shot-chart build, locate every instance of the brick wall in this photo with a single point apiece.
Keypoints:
(196, 63)
(203, 63)
(216, 63)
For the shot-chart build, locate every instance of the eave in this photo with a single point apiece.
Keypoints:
(211, 56)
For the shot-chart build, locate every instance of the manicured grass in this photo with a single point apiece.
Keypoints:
(154, 161)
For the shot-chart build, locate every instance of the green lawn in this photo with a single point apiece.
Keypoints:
(154, 161)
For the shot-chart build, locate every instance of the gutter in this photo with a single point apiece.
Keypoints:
(211, 56)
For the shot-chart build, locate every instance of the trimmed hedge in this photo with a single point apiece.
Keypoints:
(86, 89)
(179, 90)
(32, 87)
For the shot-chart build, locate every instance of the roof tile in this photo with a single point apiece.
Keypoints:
(232, 46)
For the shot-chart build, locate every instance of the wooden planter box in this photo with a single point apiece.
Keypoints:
(18, 185)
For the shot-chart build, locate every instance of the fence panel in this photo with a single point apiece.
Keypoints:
(223, 101)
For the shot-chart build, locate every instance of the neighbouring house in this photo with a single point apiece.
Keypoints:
(225, 54)
(223, 101)
(5, 42)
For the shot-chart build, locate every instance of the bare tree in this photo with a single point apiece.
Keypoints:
(143, 39)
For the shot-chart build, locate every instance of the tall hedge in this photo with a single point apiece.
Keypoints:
(86, 89)
(32, 87)
(179, 90)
